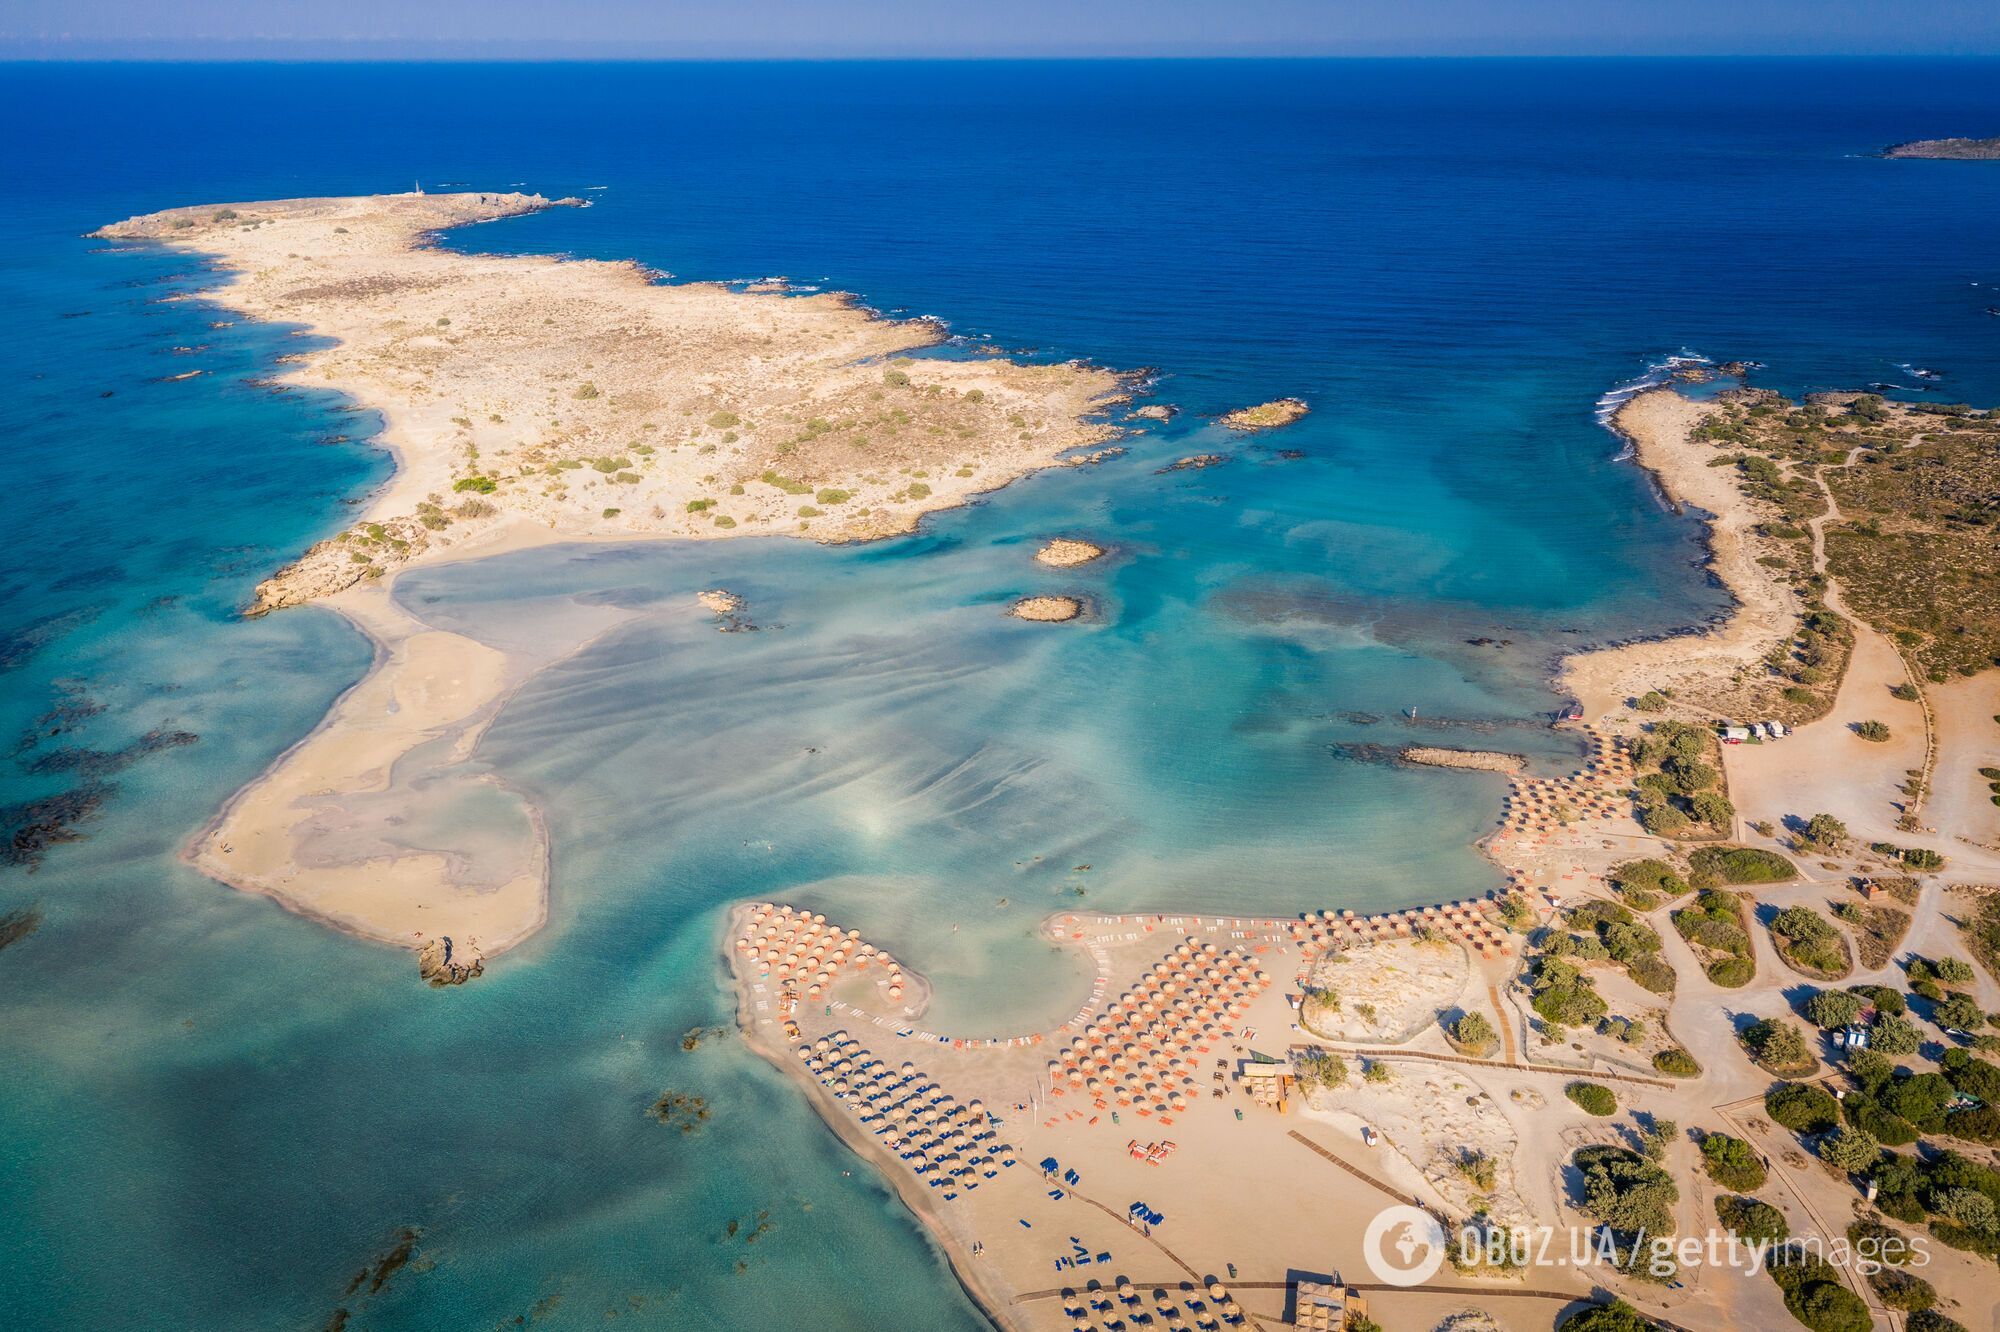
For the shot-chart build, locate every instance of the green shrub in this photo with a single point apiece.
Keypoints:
(1732, 1163)
(699, 505)
(1903, 1290)
(1732, 972)
(918, 490)
(1872, 730)
(1474, 1032)
(1649, 877)
(1801, 1107)
(1712, 866)
(1594, 1098)
(478, 485)
(1676, 1062)
(1815, 1297)
(1752, 1219)
(724, 420)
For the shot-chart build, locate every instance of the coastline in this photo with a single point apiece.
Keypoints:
(373, 278)
(931, 1222)
(598, 400)
(1659, 424)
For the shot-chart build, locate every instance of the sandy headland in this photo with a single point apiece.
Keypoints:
(528, 400)
(579, 399)
(1660, 424)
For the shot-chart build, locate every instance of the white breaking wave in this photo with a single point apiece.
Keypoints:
(1655, 375)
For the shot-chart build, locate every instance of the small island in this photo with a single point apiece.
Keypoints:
(1958, 150)
(1046, 610)
(1266, 415)
(1067, 553)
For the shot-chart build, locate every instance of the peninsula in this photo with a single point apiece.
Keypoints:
(528, 400)
(533, 399)
(1968, 150)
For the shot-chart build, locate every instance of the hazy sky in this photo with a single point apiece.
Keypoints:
(859, 28)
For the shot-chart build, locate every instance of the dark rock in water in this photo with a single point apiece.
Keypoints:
(1291, 455)
(687, 1112)
(1194, 462)
(18, 925)
(1360, 718)
(98, 763)
(32, 828)
(1491, 642)
(438, 964)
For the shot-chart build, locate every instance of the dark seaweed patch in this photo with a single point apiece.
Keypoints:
(95, 764)
(18, 925)
(32, 828)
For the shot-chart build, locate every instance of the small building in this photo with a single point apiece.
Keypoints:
(1325, 1306)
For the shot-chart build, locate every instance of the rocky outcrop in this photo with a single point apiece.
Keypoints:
(1194, 463)
(1965, 150)
(1154, 411)
(1480, 759)
(368, 550)
(440, 964)
(1046, 610)
(1266, 415)
(1067, 553)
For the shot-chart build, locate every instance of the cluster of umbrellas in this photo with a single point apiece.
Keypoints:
(1536, 804)
(1191, 1307)
(1466, 919)
(1533, 803)
(807, 953)
(1141, 1050)
(949, 1145)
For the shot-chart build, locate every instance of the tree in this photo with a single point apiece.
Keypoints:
(1712, 808)
(1953, 970)
(1959, 1011)
(1967, 1207)
(1616, 1316)
(1752, 1219)
(1871, 1068)
(1625, 1191)
(1850, 1149)
(1732, 1163)
(1802, 1107)
(1825, 832)
(1473, 1031)
(1872, 730)
(1594, 1098)
(1893, 1034)
(1777, 1044)
(1832, 1009)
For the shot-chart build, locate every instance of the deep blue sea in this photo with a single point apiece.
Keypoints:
(213, 1113)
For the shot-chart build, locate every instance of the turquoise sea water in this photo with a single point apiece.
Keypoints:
(214, 1113)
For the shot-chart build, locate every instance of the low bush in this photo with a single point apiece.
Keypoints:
(1732, 1163)
(1802, 1107)
(1594, 1098)
(1676, 1062)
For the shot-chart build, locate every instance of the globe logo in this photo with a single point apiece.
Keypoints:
(1404, 1246)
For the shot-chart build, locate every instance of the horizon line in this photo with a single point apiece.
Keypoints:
(337, 52)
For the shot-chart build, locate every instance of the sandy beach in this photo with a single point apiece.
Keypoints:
(1660, 424)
